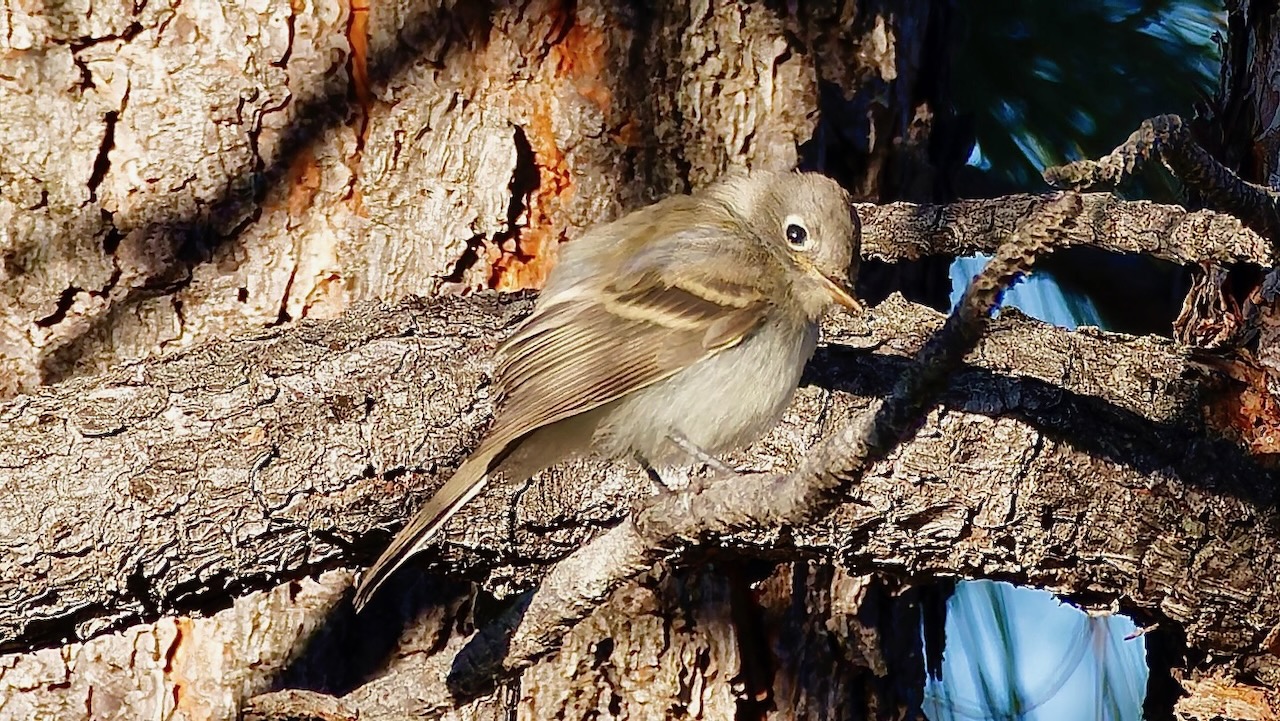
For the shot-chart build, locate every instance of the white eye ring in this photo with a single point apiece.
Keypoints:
(797, 234)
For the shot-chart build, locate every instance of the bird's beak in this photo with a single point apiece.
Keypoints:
(839, 293)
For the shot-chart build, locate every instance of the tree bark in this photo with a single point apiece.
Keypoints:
(242, 166)
(246, 463)
(232, 166)
(181, 525)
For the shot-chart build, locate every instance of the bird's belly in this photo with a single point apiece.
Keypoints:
(723, 402)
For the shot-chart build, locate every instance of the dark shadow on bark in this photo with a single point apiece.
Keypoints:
(916, 162)
(350, 649)
(1196, 460)
(1167, 652)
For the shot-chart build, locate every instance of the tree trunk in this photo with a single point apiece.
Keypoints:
(230, 167)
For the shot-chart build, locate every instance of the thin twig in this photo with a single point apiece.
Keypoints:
(1168, 138)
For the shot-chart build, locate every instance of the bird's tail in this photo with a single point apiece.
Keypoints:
(514, 461)
(471, 478)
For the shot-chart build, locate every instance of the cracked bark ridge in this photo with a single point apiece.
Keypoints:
(102, 232)
(189, 454)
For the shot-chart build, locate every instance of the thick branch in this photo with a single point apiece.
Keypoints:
(172, 485)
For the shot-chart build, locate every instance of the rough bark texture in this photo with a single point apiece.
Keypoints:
(184, 667)
(268, 458)
(223, 167)
(1244, 131)
(228, 166)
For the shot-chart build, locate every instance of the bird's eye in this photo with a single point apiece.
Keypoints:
(797, 234)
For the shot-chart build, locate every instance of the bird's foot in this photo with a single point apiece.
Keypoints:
(698, 454)
(663, 484)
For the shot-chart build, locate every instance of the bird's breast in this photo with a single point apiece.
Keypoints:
(720, 403)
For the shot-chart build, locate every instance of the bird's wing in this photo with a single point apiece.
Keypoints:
(585, 349)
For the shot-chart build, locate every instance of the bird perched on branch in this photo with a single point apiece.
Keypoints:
(673, 333)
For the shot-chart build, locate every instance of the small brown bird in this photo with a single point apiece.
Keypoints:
(675, 332)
